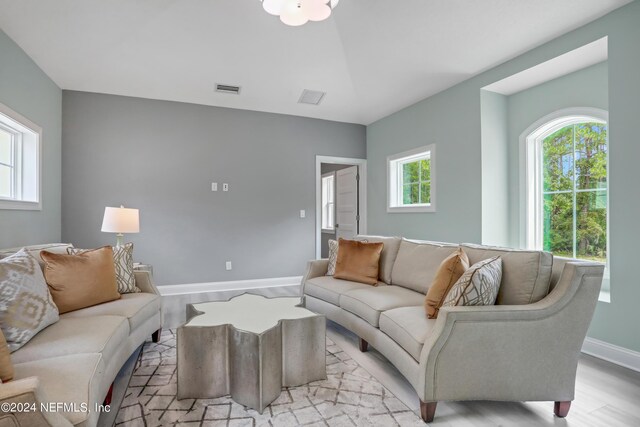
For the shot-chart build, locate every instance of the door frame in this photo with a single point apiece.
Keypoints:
(362, 200)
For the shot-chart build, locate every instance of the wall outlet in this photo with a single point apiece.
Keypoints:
(225, 187)
(214, 186)
(228, 265)
(303, 213)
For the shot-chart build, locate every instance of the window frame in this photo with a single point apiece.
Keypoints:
(323, 229)
(531, 184)
(395, 181)
(27, 161)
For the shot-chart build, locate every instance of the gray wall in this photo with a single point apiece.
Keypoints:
(452, 119)
(161, 157)
(495, 169)
(325, 237)
(26, 89)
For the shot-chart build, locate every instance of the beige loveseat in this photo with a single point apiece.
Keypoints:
(75, 360)
(524, 348)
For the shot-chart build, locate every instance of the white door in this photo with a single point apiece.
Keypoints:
(347, 203)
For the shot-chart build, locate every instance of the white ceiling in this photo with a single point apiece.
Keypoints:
(372, 57)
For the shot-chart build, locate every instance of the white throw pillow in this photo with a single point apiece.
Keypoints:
(479, 285)
(26, 306)
(333, 257)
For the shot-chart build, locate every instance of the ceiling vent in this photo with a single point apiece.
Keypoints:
(311, 97)
(227, 89)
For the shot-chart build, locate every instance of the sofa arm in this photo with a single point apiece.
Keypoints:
(24, 397)
(512, 352)
(315, 268)
(145, 283)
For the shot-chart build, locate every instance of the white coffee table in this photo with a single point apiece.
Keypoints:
(249, 347)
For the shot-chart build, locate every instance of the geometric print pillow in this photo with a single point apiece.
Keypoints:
(333, 257)
(479, 285)
(123, 262)
(26, 306)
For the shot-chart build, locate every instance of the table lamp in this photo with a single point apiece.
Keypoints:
(120, 220)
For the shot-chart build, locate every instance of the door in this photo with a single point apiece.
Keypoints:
(347, 203)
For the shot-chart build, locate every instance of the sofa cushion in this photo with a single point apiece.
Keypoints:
(358, 261)
(329, 289)
(526, 274)
(135, 307)
(75, 335)
(388, 255)
(368, 303)
(407, 326)
(417, 263)
(70, 379)
(34, 250)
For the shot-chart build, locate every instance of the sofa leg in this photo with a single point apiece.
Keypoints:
(155, 337)
(427, 411)
(363, 345)
(561, 409)
(107, 398)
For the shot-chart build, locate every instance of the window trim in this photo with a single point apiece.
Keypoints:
(393, 179)
(24, 126)
(322, 229)
(530, 162)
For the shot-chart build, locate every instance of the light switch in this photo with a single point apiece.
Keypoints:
(225, 187)
(214, 186)
(303, 213)
(228, 265)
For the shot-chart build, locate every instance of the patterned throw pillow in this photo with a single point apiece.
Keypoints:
(123, 261)
(26, 306)
(333, 257)
(479, 285)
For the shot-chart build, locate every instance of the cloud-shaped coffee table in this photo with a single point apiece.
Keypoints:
(249, 347)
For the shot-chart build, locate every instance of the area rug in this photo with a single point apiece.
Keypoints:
(349, 396)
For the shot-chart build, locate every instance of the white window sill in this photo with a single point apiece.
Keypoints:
(20, 205)
(327, 231)
(410, 209)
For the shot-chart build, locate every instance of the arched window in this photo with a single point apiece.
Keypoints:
(567, 185)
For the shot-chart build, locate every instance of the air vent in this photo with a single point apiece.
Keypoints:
(311, 97)
(227, 89)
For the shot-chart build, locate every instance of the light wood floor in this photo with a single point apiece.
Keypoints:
(607, 395)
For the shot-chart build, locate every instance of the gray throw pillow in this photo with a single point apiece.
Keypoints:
(333, 257)
(479, 285)
(26, 306)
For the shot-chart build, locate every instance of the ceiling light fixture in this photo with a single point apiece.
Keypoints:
(299, 12)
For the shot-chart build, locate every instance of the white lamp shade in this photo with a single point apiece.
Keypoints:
(293, 15)
(121, 220)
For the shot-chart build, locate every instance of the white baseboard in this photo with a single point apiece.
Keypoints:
(234, 285)
(612, 353)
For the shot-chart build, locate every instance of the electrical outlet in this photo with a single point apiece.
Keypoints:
(228, 265)
(214, 186)
(225, 187)
(303, 213)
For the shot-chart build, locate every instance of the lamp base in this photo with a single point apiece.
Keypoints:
(119, 239)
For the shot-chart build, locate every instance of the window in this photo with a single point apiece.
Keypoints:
(411, 178)
(19, 161)
(328, 202)
(567, 197)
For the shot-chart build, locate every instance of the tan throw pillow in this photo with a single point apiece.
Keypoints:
(26, 306)
(123, 262)
(83, 280)
(479, 285)
(450, 270)
(358, 261)
(6, 367)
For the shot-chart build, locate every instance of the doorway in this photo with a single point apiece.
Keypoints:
(341, 202)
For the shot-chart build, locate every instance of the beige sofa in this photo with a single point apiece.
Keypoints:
(524, 348)
(75, 360)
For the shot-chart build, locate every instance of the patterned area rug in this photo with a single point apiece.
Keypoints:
(348, 397)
